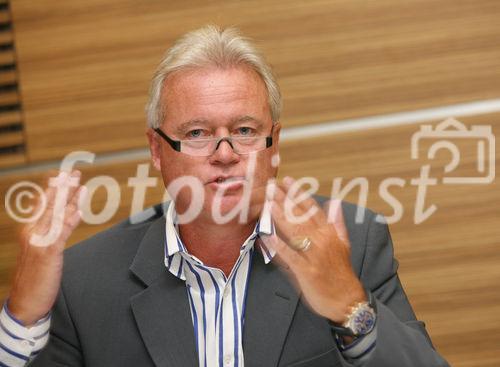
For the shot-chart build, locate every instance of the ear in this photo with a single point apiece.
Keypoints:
(276, 139)
(276, 132)
(154, 148)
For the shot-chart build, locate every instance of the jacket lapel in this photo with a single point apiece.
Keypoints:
(270, 306)
(162, 309)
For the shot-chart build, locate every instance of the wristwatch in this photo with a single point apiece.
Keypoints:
(360, 321)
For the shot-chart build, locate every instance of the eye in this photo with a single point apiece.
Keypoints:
(196, 133)
(246, 131)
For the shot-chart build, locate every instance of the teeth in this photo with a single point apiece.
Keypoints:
(229, 179)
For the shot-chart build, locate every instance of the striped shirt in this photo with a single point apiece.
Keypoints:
(217, 302)
(18, 344)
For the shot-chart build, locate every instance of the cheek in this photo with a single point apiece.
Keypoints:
(264, 170)
(270, 162)
(181, 191)
(175, 165)
(174, 168)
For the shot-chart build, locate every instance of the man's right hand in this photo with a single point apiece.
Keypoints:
(39, 268)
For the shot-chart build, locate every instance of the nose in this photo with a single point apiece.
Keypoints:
(224, 153)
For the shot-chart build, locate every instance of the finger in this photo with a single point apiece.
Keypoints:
(286, 255)
(43, 223)
(74, 184)
(53, 184)
(44, 205)
(292, 222)
(287, 233)
(304, 198)
(288, 206)
(53, 214)
(278, 261)
(67, 186)
(74, 205)
(45, 202)
(298, 204)
(70, 223)
(78, 197)
(336, 218)
(283, 225)
(67, 182)
(72, 216)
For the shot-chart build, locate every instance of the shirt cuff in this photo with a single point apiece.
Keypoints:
(18, 342)
(360, 349)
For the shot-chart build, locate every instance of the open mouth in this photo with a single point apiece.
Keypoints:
(228, 183)
(228, 179)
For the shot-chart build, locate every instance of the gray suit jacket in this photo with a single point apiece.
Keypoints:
(120, 306)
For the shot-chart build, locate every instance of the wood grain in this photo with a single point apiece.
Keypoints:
(7, 57)
(8, 77)
(85, 66)
(10, 117)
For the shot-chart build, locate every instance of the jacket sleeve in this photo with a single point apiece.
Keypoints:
(63, 348)
(402, 340)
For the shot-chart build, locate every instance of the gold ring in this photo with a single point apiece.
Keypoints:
(300, 243)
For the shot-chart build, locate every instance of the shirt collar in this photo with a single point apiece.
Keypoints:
(264, 226)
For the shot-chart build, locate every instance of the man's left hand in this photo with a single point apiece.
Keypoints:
(323, 272)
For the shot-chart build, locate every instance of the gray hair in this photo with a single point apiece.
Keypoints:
(210, 46)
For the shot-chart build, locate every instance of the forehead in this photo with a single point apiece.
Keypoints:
(216, 96)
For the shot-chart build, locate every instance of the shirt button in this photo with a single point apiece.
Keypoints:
(228, 359)
(25, 343)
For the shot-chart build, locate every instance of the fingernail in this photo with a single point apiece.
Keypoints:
(59, 179)
(288, 180)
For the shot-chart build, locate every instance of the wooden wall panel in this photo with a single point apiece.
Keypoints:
(448, 263)
(9, 117)
(85, 66)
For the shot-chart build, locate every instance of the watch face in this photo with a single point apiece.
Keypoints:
(363, 322)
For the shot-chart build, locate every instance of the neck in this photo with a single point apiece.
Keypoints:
(214, 244)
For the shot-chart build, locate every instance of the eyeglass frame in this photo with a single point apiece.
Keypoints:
(176, 144)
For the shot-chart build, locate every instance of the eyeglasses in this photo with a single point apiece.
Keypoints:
(204, 147)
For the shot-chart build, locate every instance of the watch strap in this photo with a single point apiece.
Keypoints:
(341, 330)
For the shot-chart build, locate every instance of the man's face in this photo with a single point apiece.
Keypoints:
(212, 102)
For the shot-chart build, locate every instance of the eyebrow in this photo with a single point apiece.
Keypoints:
(182, 128)
(247, 118)
(186, 125)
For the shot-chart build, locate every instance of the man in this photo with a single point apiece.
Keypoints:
(222, 284)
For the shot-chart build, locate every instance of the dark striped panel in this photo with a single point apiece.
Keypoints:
(12, 145)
